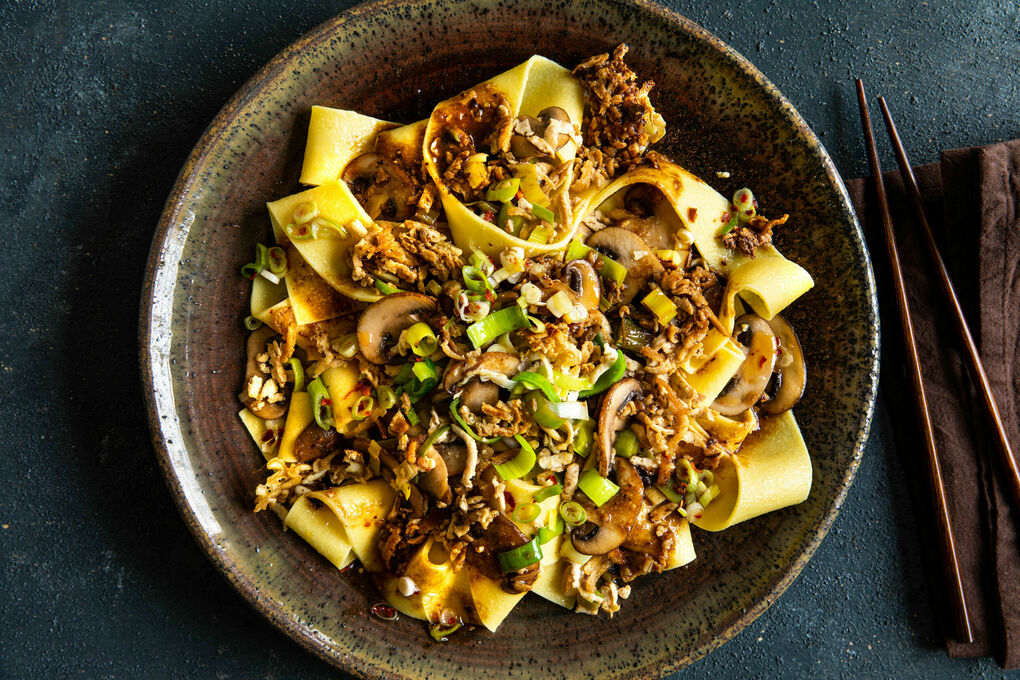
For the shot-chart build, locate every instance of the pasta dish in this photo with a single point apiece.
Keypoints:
(511, 348)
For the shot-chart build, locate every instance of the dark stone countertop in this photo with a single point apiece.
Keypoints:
(102, 102)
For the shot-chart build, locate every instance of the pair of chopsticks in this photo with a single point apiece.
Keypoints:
(1009, 462)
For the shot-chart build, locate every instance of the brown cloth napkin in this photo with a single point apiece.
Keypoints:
(972, 199)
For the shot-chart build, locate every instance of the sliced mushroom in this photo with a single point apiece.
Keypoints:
(608, 527)
(551, 134)
(482, 377)
(658, 221)
(610, 422)
(790, 375)
(381, 324)
(752, 377)
(315, 442)
(382, 187)
(583, 282)
(454, 457)
(255, 346)
(632, 252)
(437, 480)
(476, 393)
(502, 535)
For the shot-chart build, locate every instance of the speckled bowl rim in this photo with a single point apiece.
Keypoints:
(168, 240)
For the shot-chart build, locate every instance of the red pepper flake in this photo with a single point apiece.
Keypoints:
(743, 197)
(489, 216)
(511, 502)
(385, 612)
(519, 195)
(490, 296)
(268, 436)
(761, 362)
(326, 402)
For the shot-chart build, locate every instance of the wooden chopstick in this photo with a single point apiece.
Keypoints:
(960, 323)
(949, 558)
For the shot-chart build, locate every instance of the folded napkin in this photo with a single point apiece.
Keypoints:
(972, 199)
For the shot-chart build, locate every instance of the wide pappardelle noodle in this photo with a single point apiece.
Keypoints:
(510, 349)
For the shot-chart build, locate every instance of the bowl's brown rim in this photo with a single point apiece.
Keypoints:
(169, 220)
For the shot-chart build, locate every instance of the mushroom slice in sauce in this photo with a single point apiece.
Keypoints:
(314, 442)
(436, 481)
(753, 376)
(583, 283)
(610, 422)
(632, 252)
(790, 375)
(544, 131)
(381, 186)
(381, 324)
(608, 527)
(502, 535)
(658, 222)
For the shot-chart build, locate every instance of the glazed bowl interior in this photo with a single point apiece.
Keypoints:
(395, 60)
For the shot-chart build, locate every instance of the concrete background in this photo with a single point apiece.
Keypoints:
(101, 102)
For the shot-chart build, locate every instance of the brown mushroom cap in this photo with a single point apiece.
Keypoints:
(608, 527)
(388, 199)
(315, 442)
(477, 391)
(610, 422)
(500, 536)
(583, 282)
(790, 369)
(621, 245)
(255, 346)
(521, 146)
(753, 376)
(383, 321)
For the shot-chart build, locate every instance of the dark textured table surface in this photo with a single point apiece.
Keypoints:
(102, 102)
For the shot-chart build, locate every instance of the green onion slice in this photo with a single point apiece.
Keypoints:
(527, 513)
(627, 444)
(573, 514)
(596, 487)
(503, 191)
(584, 437)
(422, 339)
(607, 379)
(278, 261)
(671, 493)
(424, 370)
(475, 279)
(660, 305)
(538, 382)
(570, 382)
(299, 374)
(633, 337)
(519, 465)
(433, 288)
(431, 439)
(540, 234)
(547, 492)
(440, 632)
(609, 269)
(251, 323)
(543, 414)
(455, 414)
(483, 332)
(543, 214)
(322, 408)
(299, 232)
(386, 397)
(519, 558)
(385, 288)
(362, 407)
(412, 417)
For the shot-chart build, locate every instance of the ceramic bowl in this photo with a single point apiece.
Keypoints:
(395, 60)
